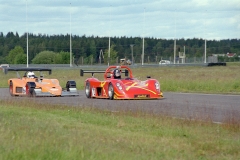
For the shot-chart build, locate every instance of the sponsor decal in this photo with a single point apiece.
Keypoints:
(53, 81)
(102, 86)
(54, 89)
(141, 96)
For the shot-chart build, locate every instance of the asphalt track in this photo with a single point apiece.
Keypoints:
(217, 108)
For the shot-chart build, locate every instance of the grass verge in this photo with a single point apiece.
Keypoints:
(219, 79)
(33, 131)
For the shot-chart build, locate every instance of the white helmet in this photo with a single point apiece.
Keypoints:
(30, 75)
(117, 72)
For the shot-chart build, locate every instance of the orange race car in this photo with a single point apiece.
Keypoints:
(117, 86)
(30, 85)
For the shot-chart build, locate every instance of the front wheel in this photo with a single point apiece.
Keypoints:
(11, 89)
(30, 89)
(110, 92)
(70, 84)
(88, 90)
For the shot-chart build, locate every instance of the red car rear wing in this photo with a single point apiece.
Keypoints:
(90, 71)
(109, 70)
(98, 71)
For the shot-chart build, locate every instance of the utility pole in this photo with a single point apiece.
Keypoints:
(132, 53)
(109, 48)
(109, 45)
(205, 47)
(27, 31)
(100, 56)
(174, 56)
(205, 52)
(143, 39)
(70, 37)
(184, 54)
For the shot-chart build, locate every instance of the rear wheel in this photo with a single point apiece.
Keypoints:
(88, 89)
(11, 89)
(110, 91)
(71, 84)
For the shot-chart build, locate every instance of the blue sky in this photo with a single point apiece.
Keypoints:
(168, 19)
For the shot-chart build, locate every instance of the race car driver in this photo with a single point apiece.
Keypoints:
(31, 75)
(117, 73)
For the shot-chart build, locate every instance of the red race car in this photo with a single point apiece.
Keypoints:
(119, 83)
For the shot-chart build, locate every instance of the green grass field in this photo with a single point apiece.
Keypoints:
(31, 131)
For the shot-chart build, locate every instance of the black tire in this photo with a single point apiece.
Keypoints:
(30, 88)
(88, 90)
(33, 93)
(110, 91)
(11, 89)
(71, 84)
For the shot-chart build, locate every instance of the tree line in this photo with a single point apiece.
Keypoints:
(45, 49)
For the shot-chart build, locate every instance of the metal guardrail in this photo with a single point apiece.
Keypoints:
(67, 66)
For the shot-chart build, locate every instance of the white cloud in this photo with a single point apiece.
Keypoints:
(163, 18)
(201, 3)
